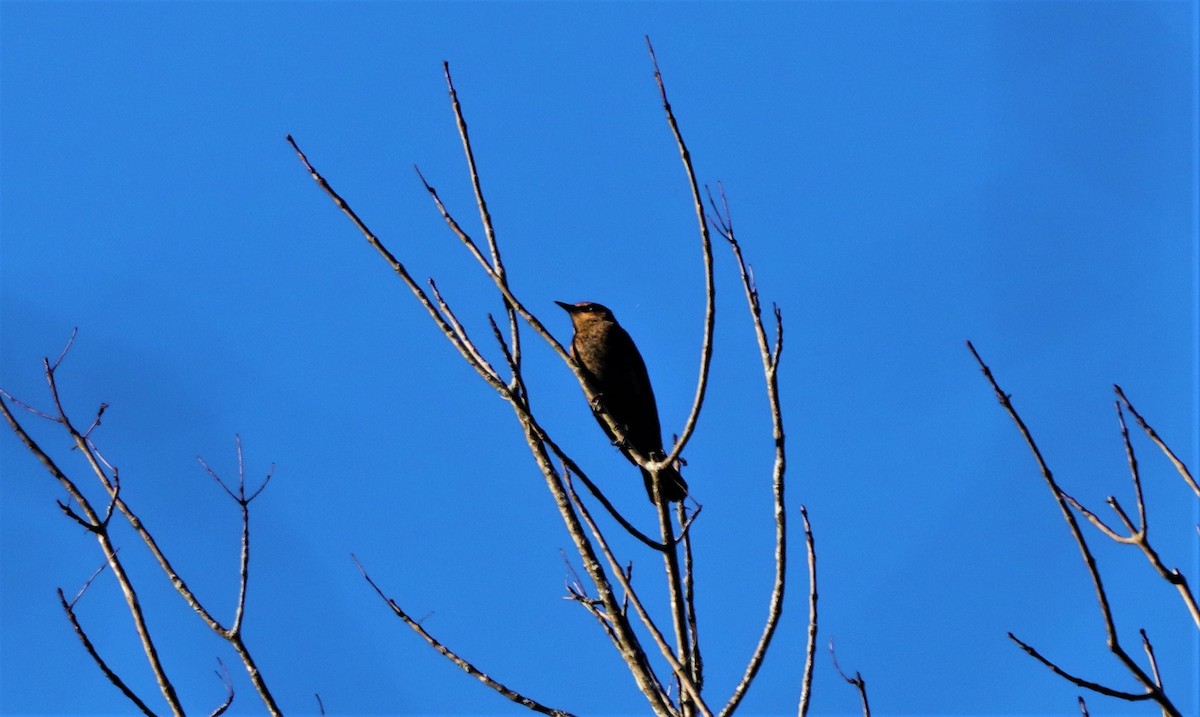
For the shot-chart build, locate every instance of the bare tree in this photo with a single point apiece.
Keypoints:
(1148, 678)
(95, 520)
(610, 590)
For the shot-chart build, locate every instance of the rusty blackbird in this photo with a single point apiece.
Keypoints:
(612, 364)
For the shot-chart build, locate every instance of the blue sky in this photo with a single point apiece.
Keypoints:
(903, 176)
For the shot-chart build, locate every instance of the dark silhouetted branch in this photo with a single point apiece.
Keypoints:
(1152, 690)
(858, 682)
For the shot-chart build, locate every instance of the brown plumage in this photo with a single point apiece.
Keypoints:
(618, 375)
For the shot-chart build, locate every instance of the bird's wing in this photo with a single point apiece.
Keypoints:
(634, 406)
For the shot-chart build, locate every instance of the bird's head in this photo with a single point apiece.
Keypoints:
(587, 312)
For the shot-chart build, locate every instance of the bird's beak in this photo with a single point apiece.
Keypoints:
(569, 308)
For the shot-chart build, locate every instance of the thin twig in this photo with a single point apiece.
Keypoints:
(481, 362)
(453, 657)
(227, 681)
(1150, 656)
(1078, 681)
(21, 404)
(1179, 466)
(689, 592)
(577, 592)
(857, 681)
(69, 609)
(88, 583)
(63, 354)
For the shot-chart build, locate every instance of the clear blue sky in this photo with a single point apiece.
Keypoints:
(904, 176)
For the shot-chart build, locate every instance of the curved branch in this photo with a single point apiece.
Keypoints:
(69, 609)
(710, 289)
(1078, 681)
(857, 681)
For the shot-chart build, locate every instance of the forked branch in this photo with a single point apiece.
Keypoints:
(1138, 535)
(770, 363)
(1151, 690)
(108, 476)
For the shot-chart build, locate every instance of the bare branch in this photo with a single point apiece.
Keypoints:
(96, 421)
(689, 593)
(485, 217)
(223, 676)
(69, 609)
(263, 486)
(101, 531)
(770, 363)
(27, 407)
(481, 364)
(677, 665)
(675, 593)
(88, 584)
(102, 470)
(811, 650)
(1150, 656)
(1114, 645)
(213, 474)
(70, 513)
(395, 263)
(1179, 466)
(63, 354)
(1131, 458)
(1096, 521)
(857, 681)
(453, 657)
(1139, 535)
(569, 464)
(1078, 681)
(710, 290)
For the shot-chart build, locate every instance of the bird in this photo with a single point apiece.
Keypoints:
(612, 365)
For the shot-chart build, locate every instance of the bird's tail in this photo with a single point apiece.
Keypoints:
(671, 485)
